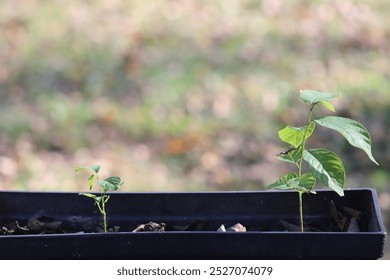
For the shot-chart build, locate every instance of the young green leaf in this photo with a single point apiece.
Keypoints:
(327, 167)
(282, 183)
(303, 184)
(306, 183)
(89, 195)
(90, 181)
(328, 105)
(93, 168)
(355, 133)
(291, 181)
(294, 135)
(313, 96)
(293, 155)
(111, 183)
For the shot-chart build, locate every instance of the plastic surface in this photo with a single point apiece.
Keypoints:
(261, 212)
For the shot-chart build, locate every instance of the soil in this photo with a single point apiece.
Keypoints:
(340, 221)
(40, 223)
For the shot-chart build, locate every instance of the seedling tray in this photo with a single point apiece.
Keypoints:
(192, 221)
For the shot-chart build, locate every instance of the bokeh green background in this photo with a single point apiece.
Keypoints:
(185, 95)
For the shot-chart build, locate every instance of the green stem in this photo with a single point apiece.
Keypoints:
(104, 220)
(304, 138)
(103, 210)
(301, 161)
(301, 210)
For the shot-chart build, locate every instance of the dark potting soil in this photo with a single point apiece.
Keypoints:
(337, 221)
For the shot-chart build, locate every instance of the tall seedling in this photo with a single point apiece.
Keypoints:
(323, 165)
(110, 184)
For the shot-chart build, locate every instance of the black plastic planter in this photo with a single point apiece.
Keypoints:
(260, 212)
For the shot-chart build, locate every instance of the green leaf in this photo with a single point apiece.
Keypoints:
(89, 195)
(328, 105)
(355, 133)
(93, 168)
(282, 183)
(111, 183)
(291, 181)
(313, 96)
(294, 135)
(90, 181)
(327, 167)
(293, 155)
(307, 182)
(303, 184)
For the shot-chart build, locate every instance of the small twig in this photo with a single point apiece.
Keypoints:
(139, 228)
(22, 228)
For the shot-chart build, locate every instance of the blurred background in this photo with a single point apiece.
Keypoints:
(186, 95)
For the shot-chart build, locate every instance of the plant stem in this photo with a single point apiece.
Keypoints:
(304, 138)
(301, 210)
(105, 221)
(300, 164)
(103, 209)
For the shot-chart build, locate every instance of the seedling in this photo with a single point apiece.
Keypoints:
(110, 184)
(323, 165)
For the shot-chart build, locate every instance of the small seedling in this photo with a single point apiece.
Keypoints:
(110, 184)
(323, 165)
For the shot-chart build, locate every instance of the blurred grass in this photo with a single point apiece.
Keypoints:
(184, 95)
